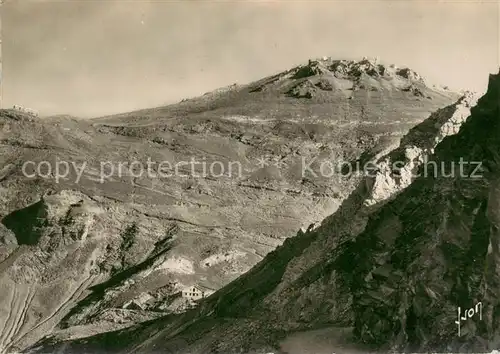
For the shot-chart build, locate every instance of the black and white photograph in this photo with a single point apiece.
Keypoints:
(249, 176)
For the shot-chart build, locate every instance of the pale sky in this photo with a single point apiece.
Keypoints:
(92, 58)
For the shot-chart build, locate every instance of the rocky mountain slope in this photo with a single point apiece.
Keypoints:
(395, 271)
(82, 242)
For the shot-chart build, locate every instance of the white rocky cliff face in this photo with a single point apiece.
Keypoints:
(398, 169)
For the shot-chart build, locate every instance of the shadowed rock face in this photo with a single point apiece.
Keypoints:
(398, 169)
(442, 250)
(396, 270)
(76, 250)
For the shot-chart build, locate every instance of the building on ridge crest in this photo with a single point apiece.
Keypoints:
(30, 111)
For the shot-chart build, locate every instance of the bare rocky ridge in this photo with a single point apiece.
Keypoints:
(76, 251)
(395, 271)
(398, 169)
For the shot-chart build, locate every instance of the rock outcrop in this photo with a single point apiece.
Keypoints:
(400, 167)
(433, 248)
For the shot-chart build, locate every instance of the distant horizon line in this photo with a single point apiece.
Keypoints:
(179, 100)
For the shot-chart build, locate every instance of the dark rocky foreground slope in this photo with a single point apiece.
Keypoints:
(75, 251)
(394, 269)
